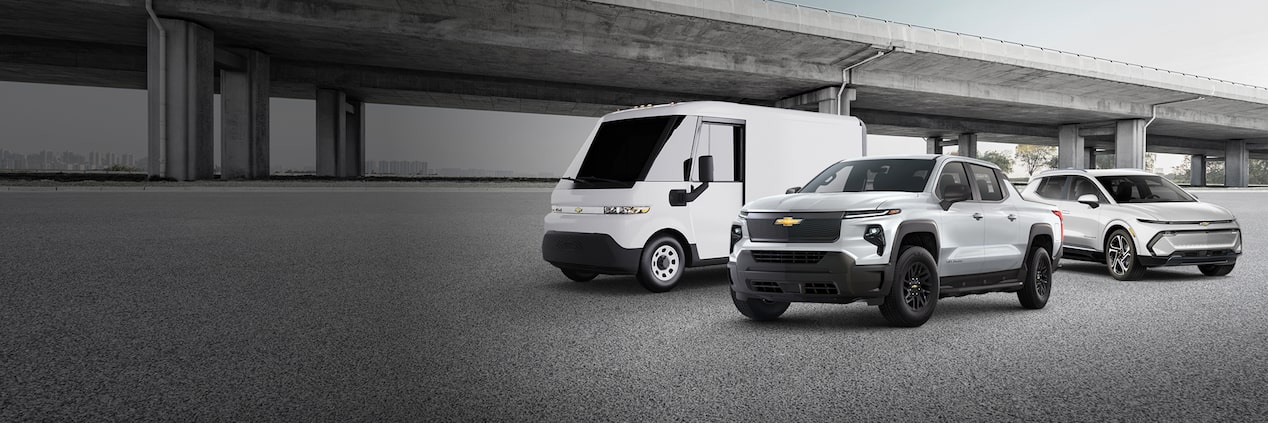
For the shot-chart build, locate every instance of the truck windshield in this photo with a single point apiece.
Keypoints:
(907, 175)
(1144, 189)
(623, 150)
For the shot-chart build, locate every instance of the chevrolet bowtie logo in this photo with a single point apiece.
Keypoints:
(787, 221)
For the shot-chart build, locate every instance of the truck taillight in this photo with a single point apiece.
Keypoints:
(1062, 219)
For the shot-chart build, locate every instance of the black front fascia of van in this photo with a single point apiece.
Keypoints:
(623, 151)
(589, 252)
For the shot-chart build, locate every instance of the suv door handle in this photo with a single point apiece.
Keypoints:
(1012, 217)
(977, 216)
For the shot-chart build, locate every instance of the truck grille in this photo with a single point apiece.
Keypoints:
(794, 227)
(764, 286)
(788, 257)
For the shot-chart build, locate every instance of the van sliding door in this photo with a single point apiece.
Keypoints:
(713, 211)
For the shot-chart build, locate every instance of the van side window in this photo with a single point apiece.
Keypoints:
(725, 143)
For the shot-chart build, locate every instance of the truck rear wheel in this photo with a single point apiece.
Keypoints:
(661, 264)
(1038, 284)
(913, 292)
(757, 309)
(579, 275)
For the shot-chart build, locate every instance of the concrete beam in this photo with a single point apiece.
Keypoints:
(180, 108)
(340, 134)
(952, 125)
(1236, 164)
(1197, 170)
(1129, 144)
(967, 145)
(1070, 148)
(244, 133)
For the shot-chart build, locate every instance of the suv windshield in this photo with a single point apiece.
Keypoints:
(623, 150)
(1143, 189)
(907, 175)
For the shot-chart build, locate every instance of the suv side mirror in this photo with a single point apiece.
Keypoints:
(706, 168)
(793, 190)
(954, 193)
(1090, 200)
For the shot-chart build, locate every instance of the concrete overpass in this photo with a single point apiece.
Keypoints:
(591, 57)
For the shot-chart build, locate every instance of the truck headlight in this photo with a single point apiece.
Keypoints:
(860, 214)
(626, 209)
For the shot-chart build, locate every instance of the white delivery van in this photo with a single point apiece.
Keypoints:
(654, 189)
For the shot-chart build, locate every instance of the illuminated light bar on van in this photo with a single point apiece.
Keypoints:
(626, 209)
(859, 214)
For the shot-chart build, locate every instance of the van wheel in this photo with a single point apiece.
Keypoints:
(757, 309)
(1038, 284)
(578, 275)
(1120, 257)
(1215, 269)
(661, 264)
(913, 292)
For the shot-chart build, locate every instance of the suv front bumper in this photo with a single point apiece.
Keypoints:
(797, 276)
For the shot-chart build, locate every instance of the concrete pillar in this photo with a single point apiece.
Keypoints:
(184, 104)
(1129, 144)
(933, 145)
(1070, 148)
(1236, 164)
(340, 134)
(829, 106)
(1089, 158)
(1197, 170)
(244, 121)
(968, 145)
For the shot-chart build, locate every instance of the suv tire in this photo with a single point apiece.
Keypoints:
(1215, 269)
(579, 275)
(759, 310)
(1038, 284)
(1120, 257)
(913, 293)
(661, 264)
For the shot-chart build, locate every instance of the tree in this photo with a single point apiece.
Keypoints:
(1182, 174)
(1000, 159)
(1035, 157)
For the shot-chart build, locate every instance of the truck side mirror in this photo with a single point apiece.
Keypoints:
(793, 190)
(1090, 200)
(706, 168)
(954, 193)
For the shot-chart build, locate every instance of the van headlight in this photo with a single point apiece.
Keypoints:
(626, 209)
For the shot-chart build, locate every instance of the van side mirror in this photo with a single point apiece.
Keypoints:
(706, 168)
(1090, 200)
(954, 193)
(686, 170)
(793, 190)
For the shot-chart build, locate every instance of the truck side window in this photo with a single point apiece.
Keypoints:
(987, 185)
(952, 173)
(722, 141)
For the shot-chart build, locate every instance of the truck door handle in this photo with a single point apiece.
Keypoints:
(1012, 217)
(977, 216)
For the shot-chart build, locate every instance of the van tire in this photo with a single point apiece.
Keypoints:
(579, 275)
(913, 293)
(661, 264)
(759, 310)
(1038, 284)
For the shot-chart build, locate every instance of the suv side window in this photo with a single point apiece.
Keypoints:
(987, 184)
(1052, 187)
(952, 173)
(1082, 186)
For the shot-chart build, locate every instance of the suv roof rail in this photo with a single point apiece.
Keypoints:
(1064, 169)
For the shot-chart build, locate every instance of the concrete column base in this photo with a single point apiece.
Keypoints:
(340, 134)
(1197, 170)
(1070, 148)
(933, 145)
(185, 105)
(244, 122)
(968, 145)
(1236, 164)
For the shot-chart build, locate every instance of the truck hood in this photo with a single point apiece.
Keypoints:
(1185, 212)
(836, 201)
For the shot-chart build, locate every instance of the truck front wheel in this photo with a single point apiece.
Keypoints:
(913, 292)
(661, 264)
(759, 310)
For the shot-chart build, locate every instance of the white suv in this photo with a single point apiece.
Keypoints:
(897, 232)
(1131, 220)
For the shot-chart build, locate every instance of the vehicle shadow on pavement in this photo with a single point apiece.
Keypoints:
(1154, 274)
(951, 311)
(703, 278)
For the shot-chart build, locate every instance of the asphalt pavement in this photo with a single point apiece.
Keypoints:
(434, 304)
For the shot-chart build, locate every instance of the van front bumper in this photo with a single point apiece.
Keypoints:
(590, 252)
(797, 276)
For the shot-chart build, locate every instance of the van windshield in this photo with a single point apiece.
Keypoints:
(623, 151)
(907, 175)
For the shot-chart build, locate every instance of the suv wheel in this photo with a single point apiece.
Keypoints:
(579, 275)
(758, 309)
(1120, 257)
(1215, 269)
(661, 264)
(913, 292)
(1038, 284)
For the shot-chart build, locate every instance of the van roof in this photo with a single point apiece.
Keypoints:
(720, 109)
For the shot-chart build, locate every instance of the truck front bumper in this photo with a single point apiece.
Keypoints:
(805, 276)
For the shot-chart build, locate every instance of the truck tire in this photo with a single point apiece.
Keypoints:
(579, 275)
(913, 293)
(661, 264)
(1038, 284)
(1215, 269)
(1120, 257)
(759, 310)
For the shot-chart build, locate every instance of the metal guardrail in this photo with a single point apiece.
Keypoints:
(798, 6)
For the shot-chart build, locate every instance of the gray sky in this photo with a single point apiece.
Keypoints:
(1215, 38)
